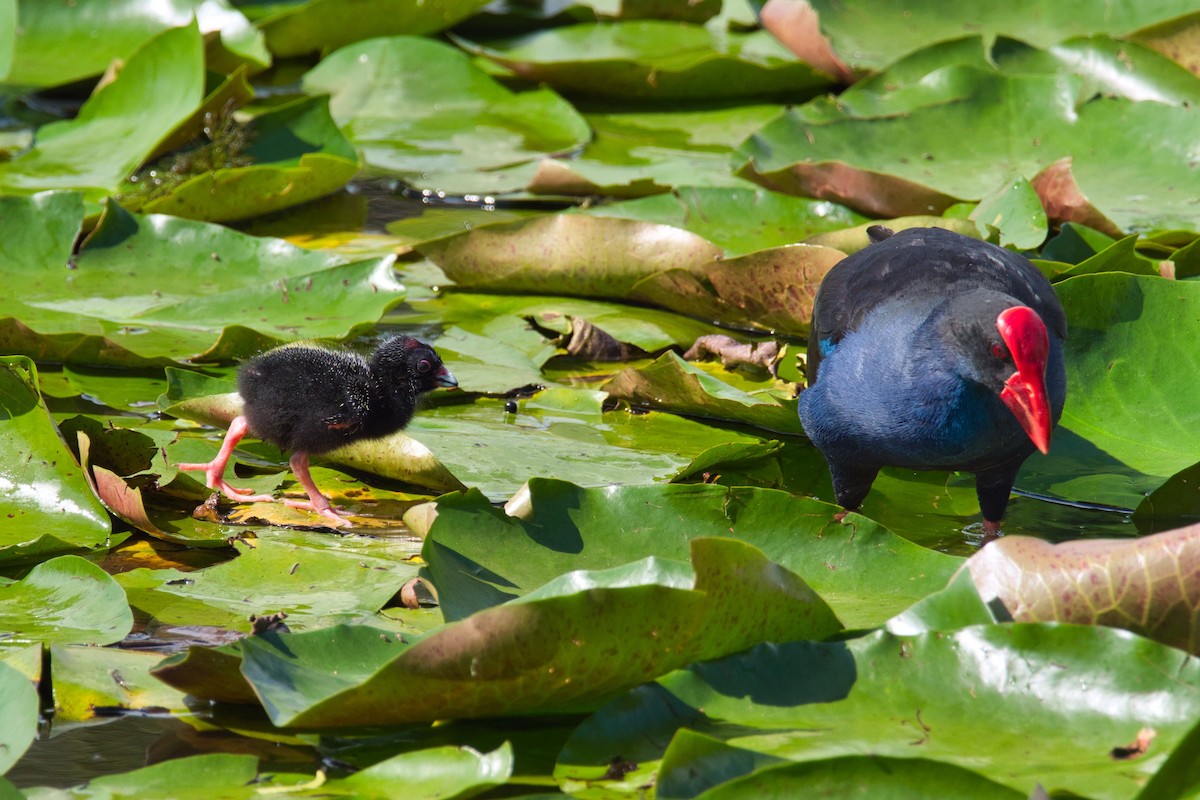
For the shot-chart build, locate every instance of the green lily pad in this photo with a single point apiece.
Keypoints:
(936, 696)
(296, 154)
(576, 640)
(740, 220)
(639, 261)
(19, 705)
(64, 600)
(871, 40)
(91, 678)
(479, 556)
(1125, 435)
(655, 59)
(44, 496)
(120, 125)
(316, 579)
(248, 293)
(300, 28)
(867, 164)
(205, 776)
(672, 384)
(57, 44)
(649, 151)
(419, 109)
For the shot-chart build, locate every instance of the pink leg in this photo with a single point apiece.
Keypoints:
(991, 530)
(215, 470)
(316, 501)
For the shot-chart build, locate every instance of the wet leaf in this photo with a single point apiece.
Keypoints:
(574, 641)
(649, 151)
(47, 505)
(672, 384)
(1118, 440)
(479, 556)
(295, 154)
(57, 44)
(871, 39)
(64, 600)
(19, 705)
(120, 125)
(741, 220)
(1141, 585)
(868, 164)
(248, 293)
(940, 696)
(401, 99)
(295, 29)
(315, 578)
(91, 678)
(654, 59)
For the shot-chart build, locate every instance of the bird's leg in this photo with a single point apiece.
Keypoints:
(316, 501)
(851, 484)
(993, 486)
(214, 471)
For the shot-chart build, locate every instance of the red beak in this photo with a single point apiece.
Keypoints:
(1025, 392)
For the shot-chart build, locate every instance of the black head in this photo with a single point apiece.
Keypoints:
(1004, 345)
(403, 361)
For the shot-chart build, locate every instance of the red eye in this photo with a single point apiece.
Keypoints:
(998, 352)
(424, 366)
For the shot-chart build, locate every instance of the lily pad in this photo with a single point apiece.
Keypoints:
(249, 293)
(1141, 585)
(672, 384)
(90, 678)
(295, 154)
(64, 600)
(872, 39)
(1125, 434)
(655, 59)
(878, 175)
(120, 125)
(316, 579)
(935, 696)
(19, 704)
(44, 497)
(419, 109)
(300, 28)
(578, 639)
(479, 556)
(56, 44)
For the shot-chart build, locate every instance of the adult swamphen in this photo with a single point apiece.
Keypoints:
(933, 350)
(311, 399)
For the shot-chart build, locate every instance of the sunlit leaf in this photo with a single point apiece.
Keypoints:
(120, 125)
(565, 646)
(46, 503)
(655, 59)
(421, 109)
(64, 600)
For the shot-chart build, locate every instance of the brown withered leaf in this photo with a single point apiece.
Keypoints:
(733, 354)
(1150, 586)
(796, 24)
(591, 343)
(875, 194)
(1064, 201)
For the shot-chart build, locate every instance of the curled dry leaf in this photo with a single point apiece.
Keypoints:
(762, 355)
(1150, 586)
(1064, 201)
(795, 23)
(875, 194)
(589, 342)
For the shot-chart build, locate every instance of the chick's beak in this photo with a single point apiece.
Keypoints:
(445, 378)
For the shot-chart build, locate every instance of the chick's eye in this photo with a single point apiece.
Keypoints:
(424, 366)
(999, 352)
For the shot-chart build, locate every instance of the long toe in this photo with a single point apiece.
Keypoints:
(238, 494)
